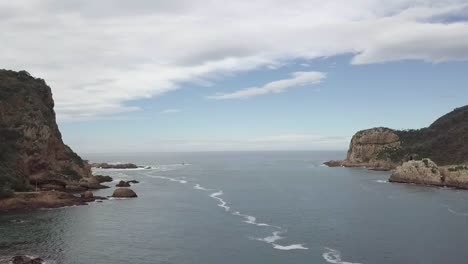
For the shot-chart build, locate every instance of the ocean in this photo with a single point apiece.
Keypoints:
(247, 207)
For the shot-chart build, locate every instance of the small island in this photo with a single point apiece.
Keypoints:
(435, 155)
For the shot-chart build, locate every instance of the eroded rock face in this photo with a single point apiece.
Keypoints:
(418, 171)
(366, 145)
(366, 148)
(32, 146)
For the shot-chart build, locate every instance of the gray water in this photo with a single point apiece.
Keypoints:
(304, 213)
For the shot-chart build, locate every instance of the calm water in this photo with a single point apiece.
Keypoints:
(257, 207)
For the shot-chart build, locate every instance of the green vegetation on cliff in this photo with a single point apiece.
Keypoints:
(445, 141)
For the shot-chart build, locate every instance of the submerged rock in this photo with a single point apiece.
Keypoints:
(124, 193)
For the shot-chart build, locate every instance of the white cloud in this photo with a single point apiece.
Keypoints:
(171, 111)
(297, 79)
(98, 56)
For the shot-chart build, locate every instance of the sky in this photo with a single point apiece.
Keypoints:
(193, 75)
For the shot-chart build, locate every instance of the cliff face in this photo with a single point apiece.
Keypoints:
(31, 143)
(445, 142)
(366, 145)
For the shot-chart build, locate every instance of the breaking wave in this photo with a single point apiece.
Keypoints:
(334, 256)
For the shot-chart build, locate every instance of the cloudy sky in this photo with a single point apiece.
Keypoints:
(184, 75)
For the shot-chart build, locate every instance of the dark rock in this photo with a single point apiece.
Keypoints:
(26, 260)
(75, 188)
(133, 181)
(123, 184)
(102, 178)
(92, 183)
(124, 193)
(87, 195)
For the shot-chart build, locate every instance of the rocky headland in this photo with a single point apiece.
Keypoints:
(435, 155)
(105, 165)
(36, 168)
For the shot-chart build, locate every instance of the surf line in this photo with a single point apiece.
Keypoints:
(334, 256)
(248, 219)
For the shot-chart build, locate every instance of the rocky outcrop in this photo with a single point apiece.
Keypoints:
(418, 171)
(126, 183)
(33, 153)
(114, 166)
(123, 184)
(93, 183)
(102, 178)
(427, 172)
(35, 200)
(365, 148)
(444, 142)
(124, 193)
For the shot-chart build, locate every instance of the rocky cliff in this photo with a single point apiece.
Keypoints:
(366, 147)
(427, 172)
(32, 150)
(445, 142)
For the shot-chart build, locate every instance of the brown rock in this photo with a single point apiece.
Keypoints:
(102, 178)
(34, 200)
(124, 193)
(122, 184)
(87, 195)
(74, 188)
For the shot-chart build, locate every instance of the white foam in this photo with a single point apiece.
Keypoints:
(382, 181)
(271, 239)
(167, 178)
(222, 203)
(289, 247)
(455, 212)
(333, 256)
(199, 187)
(252, 220)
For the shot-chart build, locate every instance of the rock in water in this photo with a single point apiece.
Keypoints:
(133, 181)
(123, 184)
(26, 260)
(124, 193)
(102, 178)
(30, 141)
